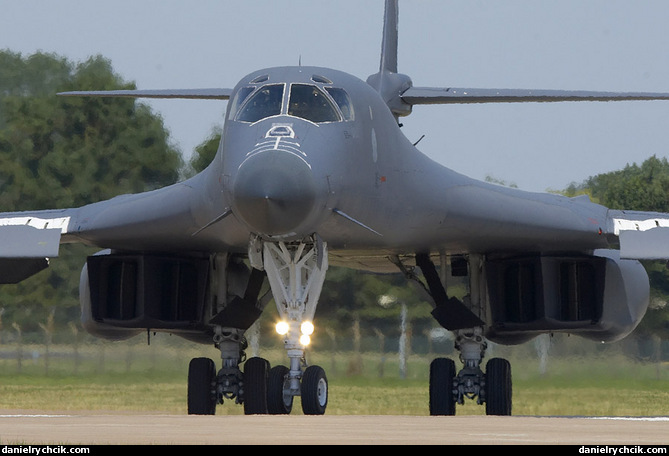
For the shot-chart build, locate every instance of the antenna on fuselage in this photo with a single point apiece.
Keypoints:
(387, 81)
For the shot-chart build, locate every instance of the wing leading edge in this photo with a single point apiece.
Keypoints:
(198, 94)
(452, 95)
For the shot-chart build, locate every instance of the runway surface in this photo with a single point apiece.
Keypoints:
(23, 427)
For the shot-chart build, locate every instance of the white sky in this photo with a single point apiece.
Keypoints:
(609, 45)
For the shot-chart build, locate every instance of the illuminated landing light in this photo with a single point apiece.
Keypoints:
(282, 328)
(305, 340)
(307, 328)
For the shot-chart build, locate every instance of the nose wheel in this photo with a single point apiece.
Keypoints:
(313, 391)
(279, 397)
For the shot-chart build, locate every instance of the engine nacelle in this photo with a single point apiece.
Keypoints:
(96, 327)
(124, 294)
(600, 297)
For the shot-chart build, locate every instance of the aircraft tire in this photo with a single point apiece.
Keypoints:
(314, 391)
(498, 387)
(201, 395)
(277, 402)
(442, 373)
(256, 371)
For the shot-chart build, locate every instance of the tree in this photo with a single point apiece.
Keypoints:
(205, 152)
(643, 188)
(374, 300)
(67, 152)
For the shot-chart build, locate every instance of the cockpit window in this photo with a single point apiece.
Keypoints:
(265, 102)
(308, 102)
(343, 101)
(242, 95)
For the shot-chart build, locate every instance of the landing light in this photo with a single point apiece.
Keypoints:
(282, 328)
(307, 328)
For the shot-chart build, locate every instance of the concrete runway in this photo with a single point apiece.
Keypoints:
(30, 427)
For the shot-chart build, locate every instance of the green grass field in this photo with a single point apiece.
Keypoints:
(152, 379)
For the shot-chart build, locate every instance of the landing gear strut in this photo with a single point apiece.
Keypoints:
(296, 272)
(446, 388)
(206, 387)
(492, 387)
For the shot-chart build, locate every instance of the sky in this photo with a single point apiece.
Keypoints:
(607, 45)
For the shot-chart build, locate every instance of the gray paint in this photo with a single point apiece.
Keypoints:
(360, 184)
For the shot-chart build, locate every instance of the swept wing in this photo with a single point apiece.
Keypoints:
(452, 95)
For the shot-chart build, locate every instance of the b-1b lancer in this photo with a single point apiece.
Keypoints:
(313, 170)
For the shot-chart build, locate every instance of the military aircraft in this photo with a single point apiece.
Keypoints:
(312, 170)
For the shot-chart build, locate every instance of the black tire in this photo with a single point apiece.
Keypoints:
(498, 387)
(256, 371)
(314, 391)
(442, 373)
(277, 402)
(201, 387)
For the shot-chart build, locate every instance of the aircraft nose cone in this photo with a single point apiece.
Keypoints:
(274, 192)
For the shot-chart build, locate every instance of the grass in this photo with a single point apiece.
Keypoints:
(141, 379)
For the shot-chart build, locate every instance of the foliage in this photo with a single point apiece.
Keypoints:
(374, 300)
(67, 152)
(493, 180)
(204, 153)
(642, 188)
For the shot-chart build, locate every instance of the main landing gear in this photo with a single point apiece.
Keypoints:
(296, 272)
(492, 387)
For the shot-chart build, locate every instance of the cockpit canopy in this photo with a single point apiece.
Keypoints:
(316, 103)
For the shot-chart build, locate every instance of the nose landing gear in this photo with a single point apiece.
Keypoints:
(296, 273)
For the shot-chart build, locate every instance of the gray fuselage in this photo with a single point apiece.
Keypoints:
(353, 178)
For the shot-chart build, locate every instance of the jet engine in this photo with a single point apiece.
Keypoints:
(124, 294)
(600, 297)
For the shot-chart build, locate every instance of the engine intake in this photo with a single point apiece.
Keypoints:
(599, 297)
(123, 292)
